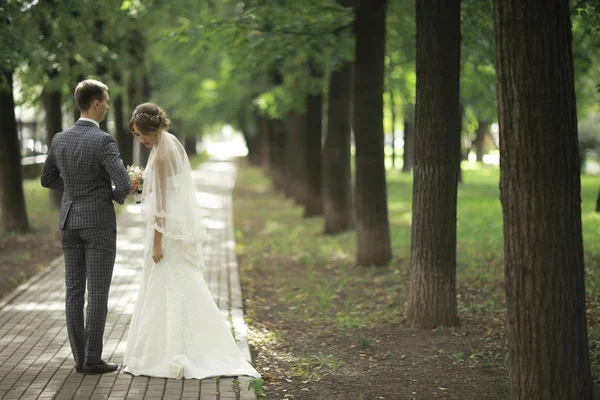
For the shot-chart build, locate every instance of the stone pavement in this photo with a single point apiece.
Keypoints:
(35, 357)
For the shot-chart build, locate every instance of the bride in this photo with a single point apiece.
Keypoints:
(177, 330)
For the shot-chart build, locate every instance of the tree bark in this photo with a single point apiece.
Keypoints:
(372, 224)
(543, 246)
(432, 295)
(12, 197)
(312, 159)
(337, 173)
(408, 158)
(52, 100)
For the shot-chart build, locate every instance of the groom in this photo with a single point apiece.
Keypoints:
(82, 162)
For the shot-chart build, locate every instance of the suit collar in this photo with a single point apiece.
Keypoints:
(87, 121)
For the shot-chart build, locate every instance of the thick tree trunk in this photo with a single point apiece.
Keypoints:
(432, 296)
(372, 224)
(12, 198)
(52, 106)
(408, 158)
(312, 160)
(543, 249)
(337, 175)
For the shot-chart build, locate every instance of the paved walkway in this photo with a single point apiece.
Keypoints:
(35, 357)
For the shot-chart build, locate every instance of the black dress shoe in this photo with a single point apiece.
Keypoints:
(99, 368)
(78, 367)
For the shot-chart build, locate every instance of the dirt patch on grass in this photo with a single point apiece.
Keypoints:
(305, 354)
(322, 328)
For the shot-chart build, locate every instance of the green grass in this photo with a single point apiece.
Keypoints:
(328, 291)
(39, 213)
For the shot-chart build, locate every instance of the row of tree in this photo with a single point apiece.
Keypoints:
(302, 79)
(538, 125)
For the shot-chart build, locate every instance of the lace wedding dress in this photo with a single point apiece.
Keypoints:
(177, 330)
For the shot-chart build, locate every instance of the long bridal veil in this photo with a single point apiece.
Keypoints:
(169, 203)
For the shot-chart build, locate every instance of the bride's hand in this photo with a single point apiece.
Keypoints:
(157, 252)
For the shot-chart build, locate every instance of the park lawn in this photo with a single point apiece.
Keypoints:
(22, 255)
(323, 328)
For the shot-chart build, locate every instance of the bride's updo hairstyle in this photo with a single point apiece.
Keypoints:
(150, 119)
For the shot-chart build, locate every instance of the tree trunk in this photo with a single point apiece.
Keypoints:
(337, 174)
(79, 78)
(277, 155)
(393, 113)
(393, 109)
(190, 145)
(295, 154)
(12, 197)
(461, 115)
(372, 224)
(479, 141)
(265, 144)
(432, 295)
(138, 89)
(144, 93)
(123, 136)
(52, 106)
(312, 159)
(543, 248)
(254, 138)
(408, 158)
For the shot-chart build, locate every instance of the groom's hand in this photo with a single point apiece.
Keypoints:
(157, 253)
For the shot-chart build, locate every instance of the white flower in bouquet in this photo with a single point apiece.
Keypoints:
(136, 174)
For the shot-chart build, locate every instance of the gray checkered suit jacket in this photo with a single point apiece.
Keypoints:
(82, 162)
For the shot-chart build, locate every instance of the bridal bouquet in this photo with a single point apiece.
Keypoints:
(136, 175)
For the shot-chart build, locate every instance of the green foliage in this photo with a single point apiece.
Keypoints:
(239, 45)
(478, 72)
(401, 52)
(257, 385)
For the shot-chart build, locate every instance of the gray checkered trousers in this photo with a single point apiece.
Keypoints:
(82, 162)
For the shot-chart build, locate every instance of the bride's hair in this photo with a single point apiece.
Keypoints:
(150, 119)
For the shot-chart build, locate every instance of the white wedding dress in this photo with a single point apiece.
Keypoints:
(177, 330)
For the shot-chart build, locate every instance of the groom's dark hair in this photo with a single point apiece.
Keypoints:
(87, 91)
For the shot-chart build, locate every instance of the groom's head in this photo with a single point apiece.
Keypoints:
(91, 97)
